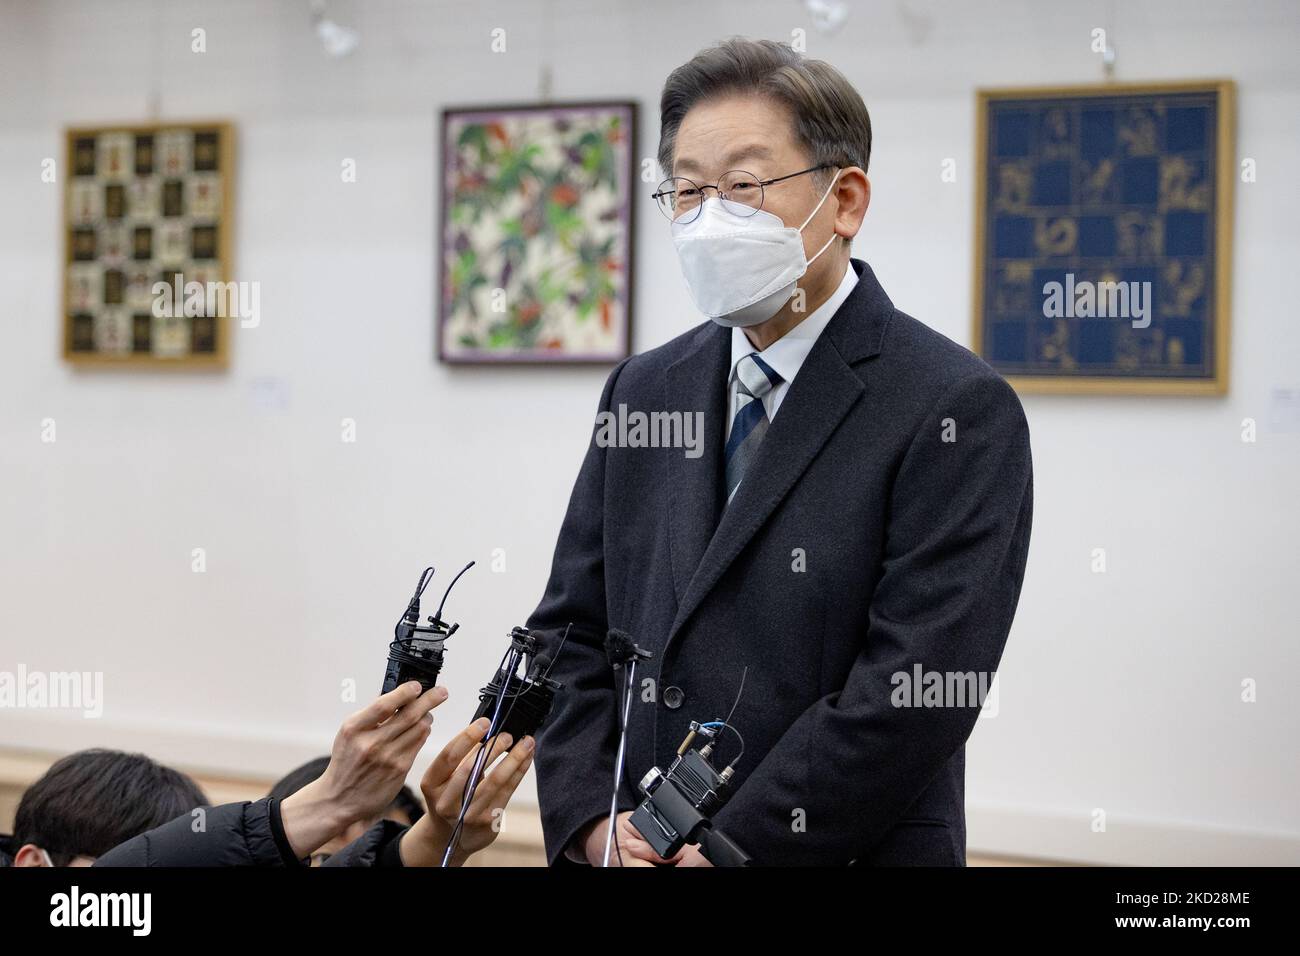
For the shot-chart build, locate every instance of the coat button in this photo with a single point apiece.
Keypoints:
(674, 697)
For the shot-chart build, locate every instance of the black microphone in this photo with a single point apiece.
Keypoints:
(622, 653)
(416, 651)
(527, 700)
(514, 705)
(620, 649)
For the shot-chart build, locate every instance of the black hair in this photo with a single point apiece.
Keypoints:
(91, 801)
(830, 120)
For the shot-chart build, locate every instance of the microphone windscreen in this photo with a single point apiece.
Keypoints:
(619, 647)
(541, 664)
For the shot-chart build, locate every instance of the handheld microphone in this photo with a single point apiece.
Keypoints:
(680, 802)
(529, 699)
(516, 706)
(416, 651)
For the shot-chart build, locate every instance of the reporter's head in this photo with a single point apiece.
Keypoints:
(90, 801)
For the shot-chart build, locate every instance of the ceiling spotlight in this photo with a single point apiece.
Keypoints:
(337, 40)
(827, 15)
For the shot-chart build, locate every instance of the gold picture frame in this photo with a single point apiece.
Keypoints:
(113, 221)
(1215, 382)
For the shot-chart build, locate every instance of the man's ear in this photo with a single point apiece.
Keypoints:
(31, 855)
(853, 193)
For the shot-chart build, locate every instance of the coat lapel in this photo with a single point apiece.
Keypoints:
(826, 388)
(697, 383)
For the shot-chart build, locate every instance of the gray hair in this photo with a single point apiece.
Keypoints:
(831, 121)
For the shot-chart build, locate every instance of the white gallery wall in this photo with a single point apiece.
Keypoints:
(1118, 691)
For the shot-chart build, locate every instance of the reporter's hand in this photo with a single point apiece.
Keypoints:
(443, 786)
(372, 754)
(690, 855)
(635, 851)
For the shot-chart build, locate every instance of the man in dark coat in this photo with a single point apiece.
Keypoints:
(855, 519)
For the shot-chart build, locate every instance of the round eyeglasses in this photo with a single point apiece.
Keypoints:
(681, 199)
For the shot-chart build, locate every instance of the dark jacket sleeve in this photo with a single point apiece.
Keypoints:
(231, 834)
(958, 538)
(378, 846)
(575, 747)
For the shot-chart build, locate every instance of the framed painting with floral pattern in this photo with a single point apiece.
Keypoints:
(535, 250)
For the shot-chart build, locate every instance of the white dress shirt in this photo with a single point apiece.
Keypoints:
(786, 355)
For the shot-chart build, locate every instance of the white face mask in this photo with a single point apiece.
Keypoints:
(742, 266)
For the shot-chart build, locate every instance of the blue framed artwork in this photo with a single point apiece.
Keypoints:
(1103, 238)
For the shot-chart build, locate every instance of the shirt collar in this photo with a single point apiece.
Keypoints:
(786, 355)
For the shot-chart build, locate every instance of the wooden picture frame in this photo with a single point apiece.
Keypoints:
(1141, 194)
(137, 209)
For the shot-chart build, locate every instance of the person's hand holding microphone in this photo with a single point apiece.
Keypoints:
(372, 754)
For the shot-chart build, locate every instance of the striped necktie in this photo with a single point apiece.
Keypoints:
(755, 378)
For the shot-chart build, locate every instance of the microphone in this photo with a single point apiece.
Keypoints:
(621, 649)
(519, 705)
(622, 653)
(514, 705)
(416, 651)
(680, 802)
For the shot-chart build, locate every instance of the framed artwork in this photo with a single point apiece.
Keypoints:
(535, 240)
(1103, 237)
(147, 226)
